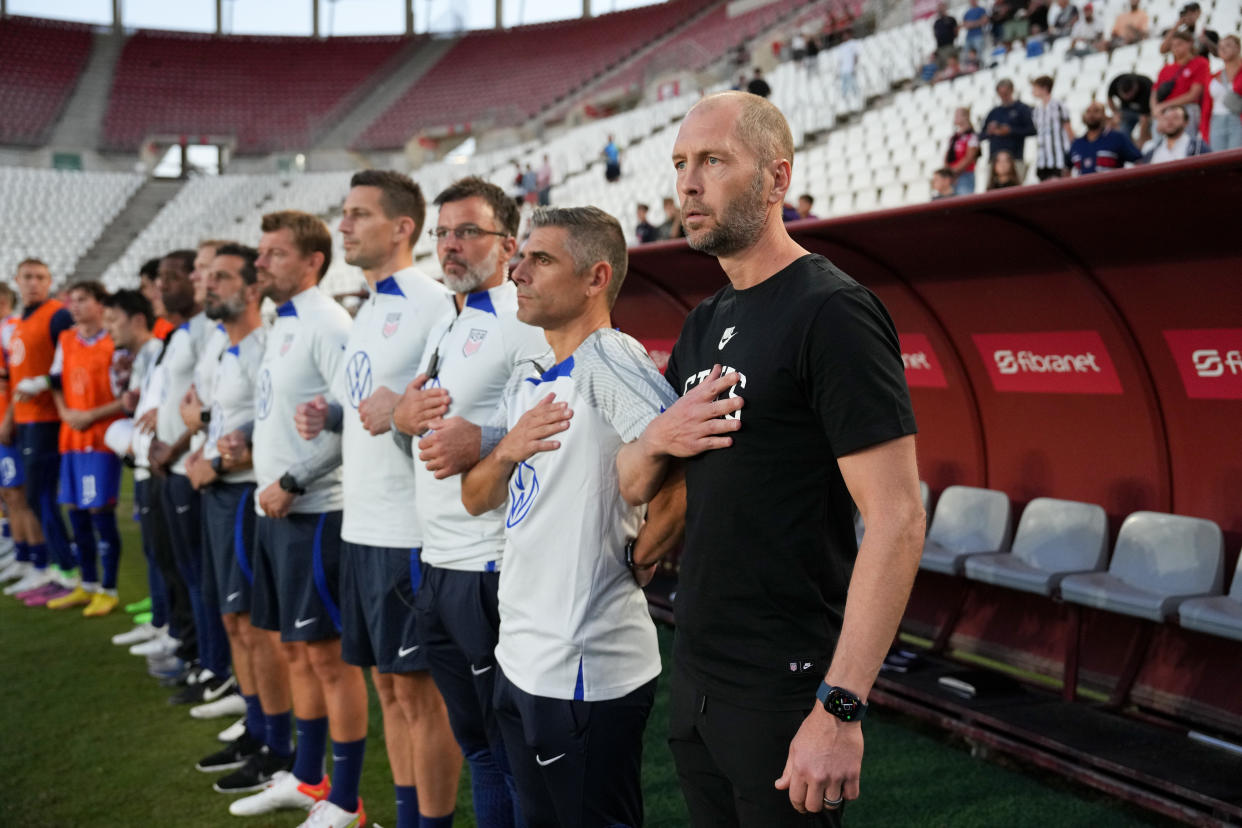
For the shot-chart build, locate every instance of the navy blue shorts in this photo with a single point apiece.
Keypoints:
(228, 528)
(576, 763)
(296, 567)
(378, 584)
(89, 479)
(12, 472)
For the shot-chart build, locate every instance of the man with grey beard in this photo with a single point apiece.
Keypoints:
(794, 408)
(470, 354)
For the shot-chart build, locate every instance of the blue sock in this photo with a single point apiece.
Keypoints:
(436, 822)
(38, 555)
(84, 545)
(109, 545)
(346, 773)
(312, 743)
(255, 724)
(278, 733)
(407, 806)
(5, 531)
(23, 551)
(490, 793)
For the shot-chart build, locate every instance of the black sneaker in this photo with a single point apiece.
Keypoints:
(232, 755)
(255, 773)
(182, 679)
(193, 691)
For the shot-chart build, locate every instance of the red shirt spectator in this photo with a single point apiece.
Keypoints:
(1186, 71)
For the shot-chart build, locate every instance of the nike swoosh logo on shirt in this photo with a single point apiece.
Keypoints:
(302, 622)
(473, 671)
(233, 595)
(543, 763)
(402, 652)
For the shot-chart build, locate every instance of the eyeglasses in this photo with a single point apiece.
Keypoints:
(464, 232)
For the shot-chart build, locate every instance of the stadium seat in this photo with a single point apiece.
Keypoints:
(1219, 615)
(1159, 561)
(1055, 538)
(969, 521)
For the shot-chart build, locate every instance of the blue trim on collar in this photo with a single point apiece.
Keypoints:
(481, 301)
(220, 327)
(235, 350)
(184, 326)
(390, 287)
(287, 309)
(561, 369)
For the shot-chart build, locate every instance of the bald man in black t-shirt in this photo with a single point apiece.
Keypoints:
(794, 407)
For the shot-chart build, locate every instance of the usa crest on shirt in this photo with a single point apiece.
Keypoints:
(390, 324)
(474, 341)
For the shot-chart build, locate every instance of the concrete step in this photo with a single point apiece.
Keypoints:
(81, 122)
(147, 201)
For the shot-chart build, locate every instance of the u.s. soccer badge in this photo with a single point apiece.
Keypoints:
(474, 341)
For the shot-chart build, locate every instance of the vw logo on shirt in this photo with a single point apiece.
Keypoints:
(263, 399)
(358, 378)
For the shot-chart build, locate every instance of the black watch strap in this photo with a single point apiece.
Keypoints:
(290, 484)
(841, 703)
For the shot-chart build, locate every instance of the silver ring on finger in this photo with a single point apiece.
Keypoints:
(834, 803)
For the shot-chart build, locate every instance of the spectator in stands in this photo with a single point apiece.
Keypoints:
(942, 184)
(1131, 26)
(612, 161)
(740, 86)
(1129, 103)
(963, 152)
(530, 185)
(797, 47)
(1053, 132)
(1204, 40)
(671, 228)
(758, 86)
(1007, 126)
(970, 64)
(1087, 36)
(847, 66)
(645, 231)
(1036, 42)
(1004, 171)
(1062, 16)
(543, 181)
(1037, 14)
(945, 31)
(930, 69)
(1183, 82)
(1226, 92)
(952, 68)
(975, 22)
(805, 202)
(1009, 23)
(812, 52)
(1175, 139)
(1101, 148)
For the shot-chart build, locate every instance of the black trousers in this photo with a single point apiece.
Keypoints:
(577, 764)
(728, 759)
(155, 531)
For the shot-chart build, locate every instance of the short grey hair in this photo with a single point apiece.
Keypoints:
(591, 236)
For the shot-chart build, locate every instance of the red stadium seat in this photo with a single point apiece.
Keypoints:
(40, 62)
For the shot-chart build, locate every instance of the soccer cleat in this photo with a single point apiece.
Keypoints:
(135, 607)
(32, 580)
(233, 731)
(78, 598)
(163, 646)
(143, 617)
(137, 635)
(231, 704)
(231, 756)
(13, 571)
(327, 814)
(259, 769)
(161, 667)
(51, 592)
(284, 791)
(102, 604)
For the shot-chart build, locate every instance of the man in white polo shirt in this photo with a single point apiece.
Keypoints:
(577, 655)
(470, 354)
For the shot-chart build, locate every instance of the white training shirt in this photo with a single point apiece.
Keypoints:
(214, 346)
(301, 356)
(232, 396)
(573, 622)
(147, 378)
(183, 349)
(477, 352)
(385, 348)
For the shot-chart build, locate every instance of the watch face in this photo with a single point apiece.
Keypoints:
(843, 706)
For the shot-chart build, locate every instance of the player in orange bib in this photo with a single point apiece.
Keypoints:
(82, 380)
(22, 526)
(150, 288)
(32, 424)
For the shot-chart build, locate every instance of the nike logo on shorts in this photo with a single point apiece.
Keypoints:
(233, 595)
(543, 763)
(402, 652)
(181, 510)
(302, 622)
(475, 672)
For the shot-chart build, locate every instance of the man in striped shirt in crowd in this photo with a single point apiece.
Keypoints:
(1053, 131)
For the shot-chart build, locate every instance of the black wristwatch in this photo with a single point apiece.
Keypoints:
(841, 703)
(204, 416)
(629, 556)
(217, 464)
(289, 483)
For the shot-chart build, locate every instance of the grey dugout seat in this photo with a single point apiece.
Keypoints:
(1219, 615)
(969, 521)
(1055, 538)
(1159, 561)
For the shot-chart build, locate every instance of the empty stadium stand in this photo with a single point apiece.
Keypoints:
(270, 93)
(40, 62)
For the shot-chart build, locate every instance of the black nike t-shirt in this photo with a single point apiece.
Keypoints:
(770, 545)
